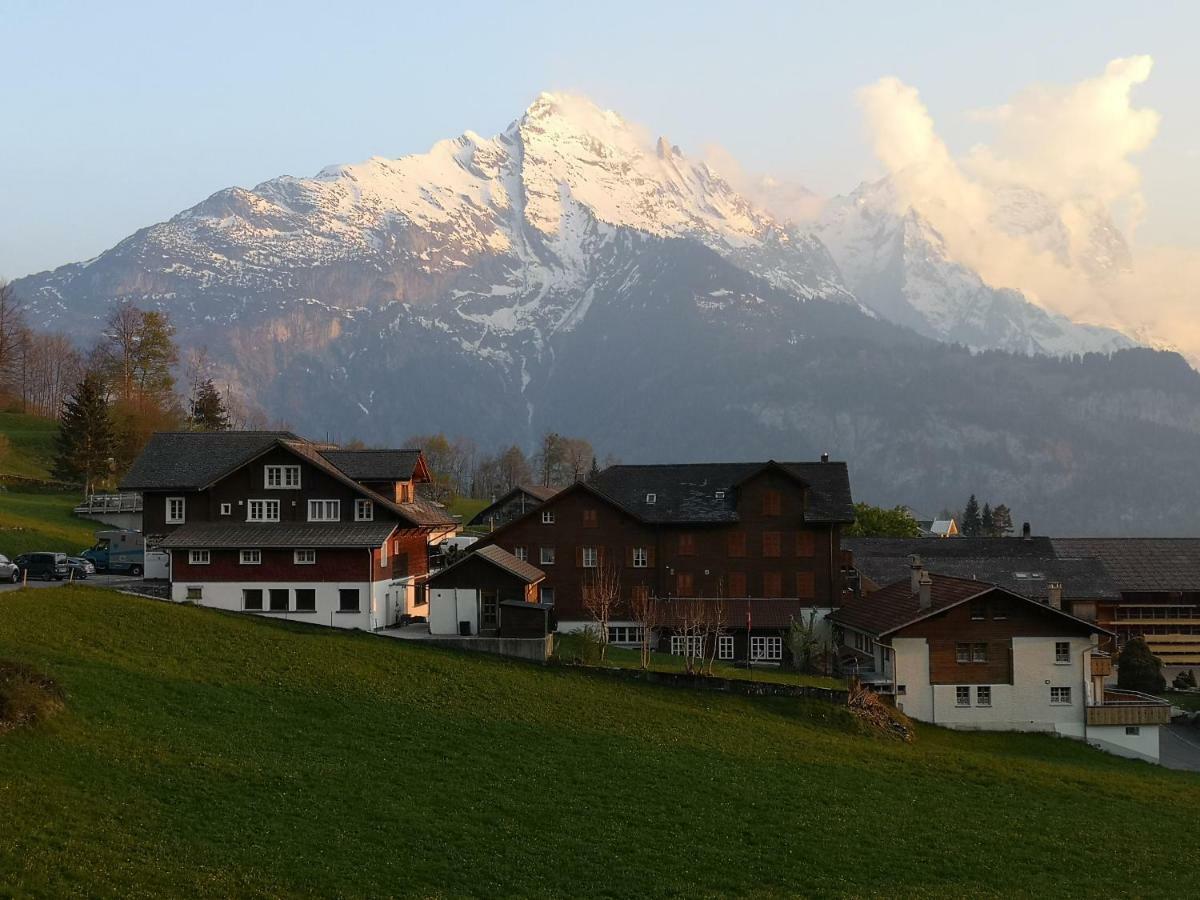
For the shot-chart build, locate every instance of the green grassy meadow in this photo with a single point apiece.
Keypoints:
(205, 754)
(31, 444)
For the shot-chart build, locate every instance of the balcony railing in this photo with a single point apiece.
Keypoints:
(1129, 708)
(110, 503)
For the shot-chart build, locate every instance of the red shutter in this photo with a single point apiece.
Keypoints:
(805, 588)
(805, 545)
(650, 557)
(579, 557)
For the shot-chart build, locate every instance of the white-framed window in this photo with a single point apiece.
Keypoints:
(262, 510)
(196, 592)
(983, 695)
(521, 553)
(625, 634)
(324, 510)
(176, 510)
(364, 511)
(687, 644)
(962, 695)
(1062, 652)
(546, 556)
(763, 647)
(304, 557)
(546, 595)
(199, 557)
(280, 478)
(589, 557)
(226, 509)
(383, 554)
(250, 557)
(651, 499)
(725, 646)
(720, 495)
(547, 517)
(640, 557)
(1060, 696)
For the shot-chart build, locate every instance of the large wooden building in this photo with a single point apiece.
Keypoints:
(269, 523)
(764, 537)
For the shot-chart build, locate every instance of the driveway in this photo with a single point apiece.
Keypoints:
(1179, 747)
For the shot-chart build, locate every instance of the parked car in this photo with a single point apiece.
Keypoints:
(46, 566)
(9, 571)
(80, 567)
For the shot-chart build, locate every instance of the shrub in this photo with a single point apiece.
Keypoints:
(1138, 669)
(581, 647)
(1184, 680)
(26, 695)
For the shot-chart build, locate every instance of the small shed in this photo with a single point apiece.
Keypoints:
(477, 592)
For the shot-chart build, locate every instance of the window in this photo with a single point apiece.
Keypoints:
(282, 477)
(689, 644)
(364, 511)
(720, 495)
(771, 503)
(304, 557)
(1132, 730)
(250, 557)
(547, 596)
(737, 584)
(805, 544)
(226, 509)
(725, 646)
(547, 517)
(588, 557)
(383, 554)
(348, 600)
(521, 553)
(772, 584)
(983, 695)
(901, 690)
(684, 586)
(640, 557)
(306, 600)
(175, 511)
(195, 592)
(979, 653)
(404, 492)
(805, 585)
(1062, 652)
(546, 556)
(252, 598)
(687, 545)
(651, 499)
(771, 541)
(969, 653)
(625, 634)
(962, 695)
(324, 510)
(589, 518)
(766, 648)
(1060, 696)
(737, 543)
(978, 610)
(262, 510)
(199, 557)
(278, 598)
(641, 593)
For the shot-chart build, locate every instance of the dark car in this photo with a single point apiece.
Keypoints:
(9, 571)
(80, 567)
(46, 566)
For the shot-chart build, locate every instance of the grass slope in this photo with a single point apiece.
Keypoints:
(208, 754)
(41, 521)
(31, 444)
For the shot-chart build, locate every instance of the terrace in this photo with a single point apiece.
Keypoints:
(1122, 707)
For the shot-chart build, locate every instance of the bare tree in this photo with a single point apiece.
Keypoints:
(714, 625)
(512, 469)
(577, 456)
(549, 458)
(12, 331)
(602, 593)
(646, 610)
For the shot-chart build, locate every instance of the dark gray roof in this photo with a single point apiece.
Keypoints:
(502, 559)
(687, 493)
(341, 534)
(375, 465)
(1141, 564)
(190, 460)
(539, 493)
(1026, 567)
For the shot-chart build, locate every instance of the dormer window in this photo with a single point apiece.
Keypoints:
(280, 478)
(720, 495)
(651, 499)
(547, 517)
(364, 511)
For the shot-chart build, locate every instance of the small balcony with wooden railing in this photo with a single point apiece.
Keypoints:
(1122, 707)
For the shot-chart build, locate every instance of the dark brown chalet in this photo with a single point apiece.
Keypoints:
(267, 522)
(763, 536)
(520, 500)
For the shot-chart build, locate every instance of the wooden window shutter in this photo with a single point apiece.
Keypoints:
(771, 503)
(805, 585)
(737, 543)
(650, 557)
(737, 584)
(629, 557)
(772, 584)
(805, 545)
(771, 544)
(579, 557)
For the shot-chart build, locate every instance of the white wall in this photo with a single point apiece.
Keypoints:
(228, 595)
(1113, 738)
(449, 606)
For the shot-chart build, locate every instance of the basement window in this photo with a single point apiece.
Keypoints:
(306, 600)
(1132, 730)
(252, 598)
(195, 592)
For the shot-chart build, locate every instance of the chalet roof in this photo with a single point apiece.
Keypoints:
(375, 465)
(688, 493)
(893, 607)
(286, 534)
(1024, 566)
(1141, 564)
(190, 460)
(501, 559)
(540, 493)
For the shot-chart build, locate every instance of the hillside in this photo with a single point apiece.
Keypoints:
(31, 445)
(204, 754)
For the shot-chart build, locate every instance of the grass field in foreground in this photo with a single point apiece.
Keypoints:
(207, 754)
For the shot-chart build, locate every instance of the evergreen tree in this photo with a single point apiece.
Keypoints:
(1001, 520)
(208, 410)
(986, 524)
(970, 518)
(594, 473)
(85, 439)
(1138, 669)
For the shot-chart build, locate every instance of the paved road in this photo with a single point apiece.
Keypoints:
(101, 580)
(1179, 747)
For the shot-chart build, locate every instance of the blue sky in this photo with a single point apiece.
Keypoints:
(118, 115)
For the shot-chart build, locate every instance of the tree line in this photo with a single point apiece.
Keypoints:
(990, 521)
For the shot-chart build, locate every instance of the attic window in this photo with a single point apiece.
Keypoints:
(720, 495)
(651, 498)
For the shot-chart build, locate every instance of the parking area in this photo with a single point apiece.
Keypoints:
(1179, 747)
(117, 581)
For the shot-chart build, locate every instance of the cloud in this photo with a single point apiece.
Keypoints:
(1049, 203)
(785, 199)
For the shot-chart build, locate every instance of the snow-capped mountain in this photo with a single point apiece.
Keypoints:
(897, 264)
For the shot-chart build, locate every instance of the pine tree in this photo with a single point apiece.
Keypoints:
(970, 518)
(987, 525)
(1001, 520)
(594, 473)
(85, 439)
(208, 410)
(1138, 669)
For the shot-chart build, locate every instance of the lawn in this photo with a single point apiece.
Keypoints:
(42, 521)
(205, 754)
(1182, 699)
(31, 444)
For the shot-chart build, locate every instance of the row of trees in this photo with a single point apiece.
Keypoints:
(37, 369)
(989, 522)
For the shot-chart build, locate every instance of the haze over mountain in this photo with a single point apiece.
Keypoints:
(572, 273)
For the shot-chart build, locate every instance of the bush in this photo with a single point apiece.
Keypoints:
(1184, 681)
(1138, 669)
(580, 647)
(26, 696)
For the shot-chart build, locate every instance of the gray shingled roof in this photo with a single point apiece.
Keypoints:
(687, 493)
(284, 534)
(1141, 564)
(1026, 567)
(502, 559)
(540, 493)
(190, 460)
(375, 465)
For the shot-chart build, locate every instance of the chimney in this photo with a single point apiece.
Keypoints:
(925, 591)
(825, 456)
(1055, 588)
(1026, 534)
(915, 571)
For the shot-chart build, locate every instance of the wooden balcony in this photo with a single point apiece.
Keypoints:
(1101, 665)
(1129, 708)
